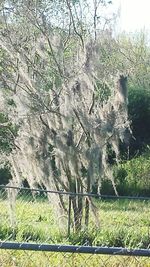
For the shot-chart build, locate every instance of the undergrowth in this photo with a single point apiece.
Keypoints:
(122, 223)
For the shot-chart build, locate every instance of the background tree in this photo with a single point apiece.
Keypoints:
(129, 54)
(136, 49)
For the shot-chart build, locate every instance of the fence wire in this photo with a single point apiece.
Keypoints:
(65, 218)
(26, 258)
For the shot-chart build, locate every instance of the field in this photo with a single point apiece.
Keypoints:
(122, 223)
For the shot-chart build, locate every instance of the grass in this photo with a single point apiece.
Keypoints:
(123, 223)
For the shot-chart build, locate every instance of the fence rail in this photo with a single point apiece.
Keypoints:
(76, 249)
(62, 192)
(35, 255)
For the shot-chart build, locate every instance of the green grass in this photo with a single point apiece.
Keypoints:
(121, 223)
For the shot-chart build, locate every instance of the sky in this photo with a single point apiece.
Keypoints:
(134, 14)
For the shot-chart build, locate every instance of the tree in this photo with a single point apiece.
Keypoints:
(69, 106)
(130, 54)
(135, 51)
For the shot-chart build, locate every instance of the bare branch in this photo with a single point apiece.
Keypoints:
(71, 15)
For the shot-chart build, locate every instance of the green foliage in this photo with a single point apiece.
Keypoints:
(103, 91)
(122, 237)
(5, 174)
(106, 187)
(11, 102)
(112, 237)
(6, 231)
(133, 176)
(8, 133)
(139, 114)
(83, 238)
(30, 232)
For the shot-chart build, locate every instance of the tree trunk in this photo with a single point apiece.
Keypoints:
(87, 211)
(87, 206)
(78, 211)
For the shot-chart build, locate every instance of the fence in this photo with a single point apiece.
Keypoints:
(24, 254)
(51, 228)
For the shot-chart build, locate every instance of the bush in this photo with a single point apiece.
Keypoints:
(135, 178)
(5, 174)
(139, 114)
(131, 177)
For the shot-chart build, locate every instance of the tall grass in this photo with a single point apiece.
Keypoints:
(122, 223)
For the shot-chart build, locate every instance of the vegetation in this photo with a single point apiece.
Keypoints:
(122, 223)
(131, 177)
(69, 105)
(139, 114)
(31, 80)
(74, 116)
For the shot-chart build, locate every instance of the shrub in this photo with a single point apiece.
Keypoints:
(5, 174)
(131, 177)
(139, 114)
